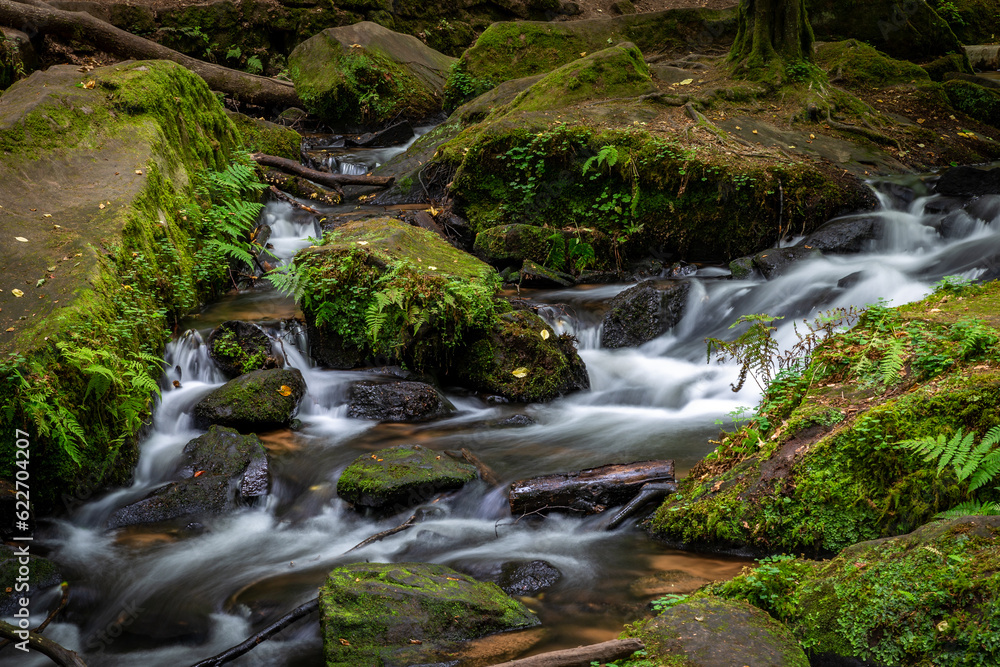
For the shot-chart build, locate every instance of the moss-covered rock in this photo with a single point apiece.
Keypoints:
(399, 477)
(859, 65)
(510, 245)
(907, 29)
(239, 347)
(218, 472)
(367, 73)
(523, 359)
(512, 50)
(972, 21)
(980, 102)
(261, 136)
(23, 577)
(711, 630)
(927, 598)
(820, 469)
(109, 260)
(382, 287)
(370, 612)
(256, 401)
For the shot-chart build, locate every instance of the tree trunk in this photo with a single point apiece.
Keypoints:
(83, 27)
(321, 177)
(771, 30)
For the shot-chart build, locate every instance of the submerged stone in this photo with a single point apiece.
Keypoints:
(256, 401)
(399, 477)
(397, 402)
(409, 613)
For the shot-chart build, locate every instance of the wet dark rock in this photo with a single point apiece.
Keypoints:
(643, 312)
(570, 9)
(397, 402)
(742, 268)
(843, 236)
(532, 273)
(256, 401)
(515, 420)
(776, 261)
(328, 350)
(682, 270)
(712, 631)
(239, 347)
(218, 472)
(371, 611)
(399, 477)
(42, 574)
(522, 579)
(647, 268)
(966, 181)
(398, 133)
(850, 280)
(985, 208)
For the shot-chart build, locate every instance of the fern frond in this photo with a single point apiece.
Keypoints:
(970, 508)
(890, 367)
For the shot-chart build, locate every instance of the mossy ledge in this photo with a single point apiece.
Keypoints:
(819, 469)
(108, 261)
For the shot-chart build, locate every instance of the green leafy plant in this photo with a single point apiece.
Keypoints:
(254, 65)
(951, 285)
(661, 604)
(755, 350)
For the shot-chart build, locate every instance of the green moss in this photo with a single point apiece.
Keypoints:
(859, 65)
(972, 21)
(403, 475)
(260, 136)
(981, 103)
(928, 598)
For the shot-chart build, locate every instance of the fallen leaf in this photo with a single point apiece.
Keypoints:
(50, 268)
(16, 292)
(755, 131)
(812, 136)
(139, 171)
(416, 641)
(46, 215)
(344, 641)
(920, 120)
(10, 328)
(686, 82)
(41, 281)
(199, 473)
(544, 334)
(432, 268)
(738, 127)
(362, 242)
(920, 145)
(90, 84)
(100, 206)
(520, 372)
(21, 239)
(583, 53)
(177, 384)
(285, 390)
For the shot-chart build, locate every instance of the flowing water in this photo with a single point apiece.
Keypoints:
(172, 597)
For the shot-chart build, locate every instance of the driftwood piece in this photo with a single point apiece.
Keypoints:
(589, 491)
(378, 537)
(323, 178)
(608, 651)
(649, 493)
(39, 17)
(300, 187)
(231, 654)
(59, 654)
(485, 472)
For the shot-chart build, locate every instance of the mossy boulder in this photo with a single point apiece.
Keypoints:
(826, 470)
(522, 358)
(512, 50)
(239, 347)
(255, 401)
(929, 597)
(711, 630)
(859, 65)
(109, 257)
(409, 613)
(218, 472)
(397, 402)
(977, 101)
(261, 136)
(37, 574)
(906, 29)
(399, 477)
(510, 245)
(972, 21)
(642, 313)
(381, 287)
(367, 73)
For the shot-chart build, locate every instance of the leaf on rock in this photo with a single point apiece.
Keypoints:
(285, 390)
(16, 292)
(545, 334)
(520, 372)
(21, 239)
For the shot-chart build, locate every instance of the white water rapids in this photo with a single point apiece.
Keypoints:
(171, 598)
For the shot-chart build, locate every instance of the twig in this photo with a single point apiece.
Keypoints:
(378, 537)
(231, 654)
(59, 654)
(278, 194)
(48, 619)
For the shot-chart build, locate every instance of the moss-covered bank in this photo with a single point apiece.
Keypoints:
(819, 468)
(107, 261)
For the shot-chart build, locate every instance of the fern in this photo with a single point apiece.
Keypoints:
(970, 508)
(755, 349)
(890, 368)
(979, 464)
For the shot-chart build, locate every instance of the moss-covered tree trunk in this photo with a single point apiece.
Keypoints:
(771, 30)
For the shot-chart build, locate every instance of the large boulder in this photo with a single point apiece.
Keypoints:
(399, 477)
(642, 313)
(715, 631)
(929, 597)
(968, 181)
(409, 613)
(218, 472)
(367, 73)
(397, 402)
(256, 401)
(522, 358)
(844, 236)
(239, 347)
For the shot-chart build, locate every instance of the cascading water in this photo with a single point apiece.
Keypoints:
(183, 595)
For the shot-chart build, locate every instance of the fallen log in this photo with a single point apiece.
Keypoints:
(323, 178)
(589, 491)
(231, 654)
(245, 87)
(583, 655)
(649, 493)
(300, 187)
(59, 654)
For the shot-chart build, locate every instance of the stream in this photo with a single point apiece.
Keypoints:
(172, 597)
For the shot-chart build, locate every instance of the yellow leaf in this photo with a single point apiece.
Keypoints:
(10, 328)
(583, 53)
(362, 242)
(545, 334)
(16, 292)
(433, 268)
(687, 82)
(21, 239)
(755, 131)
(139, 171)
(285, 390)
(46, 215)
(344, 642)
(520, 372)
(90, 84)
